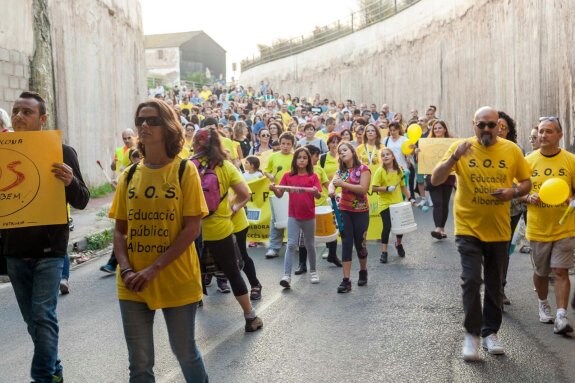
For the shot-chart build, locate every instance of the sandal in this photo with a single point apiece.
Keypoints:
(256, 293)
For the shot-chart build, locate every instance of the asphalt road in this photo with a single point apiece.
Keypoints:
(405, 326)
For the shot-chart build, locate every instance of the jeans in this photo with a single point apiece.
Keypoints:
(276, 235)
(294, 228)
(36, 283)
(492, 255)
(138, 321)
(66, 267)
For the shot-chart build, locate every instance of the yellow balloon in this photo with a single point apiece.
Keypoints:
(406, 147)
(554, 191)
(414, 132)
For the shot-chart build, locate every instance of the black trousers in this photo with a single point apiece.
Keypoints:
(489, 257)
(440, 196)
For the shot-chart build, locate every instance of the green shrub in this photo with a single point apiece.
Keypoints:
(99, 241)
(101, 190)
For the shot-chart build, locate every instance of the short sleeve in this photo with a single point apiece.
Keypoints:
(234, 174)
(118, 208)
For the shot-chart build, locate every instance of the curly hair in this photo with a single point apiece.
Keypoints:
(512, 131)
(377, 135)
(171, 128)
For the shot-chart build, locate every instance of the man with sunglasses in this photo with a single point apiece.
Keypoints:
(552, 244)
(485, 166)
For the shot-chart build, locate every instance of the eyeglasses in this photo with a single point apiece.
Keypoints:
(482, 124)
(150, 121)
(532, 138)
(264, 135)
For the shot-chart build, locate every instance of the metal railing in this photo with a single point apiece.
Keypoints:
(376, 11)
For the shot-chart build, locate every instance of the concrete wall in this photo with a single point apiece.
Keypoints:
(514, 55)
(16, 46)
(100, 75)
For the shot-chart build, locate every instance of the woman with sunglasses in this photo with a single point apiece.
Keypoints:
(263, 144)
(276, 129)
(159, 267)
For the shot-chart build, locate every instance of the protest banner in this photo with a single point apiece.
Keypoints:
(431, 151)
(30, 195)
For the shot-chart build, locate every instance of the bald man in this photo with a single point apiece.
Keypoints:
(121, 157)
(486, 166)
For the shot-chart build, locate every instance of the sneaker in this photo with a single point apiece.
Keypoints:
(271, 253)
(254, 324)
(301, 269)
(108, 269)
(223, 286)
(383, 257)
(64, 287)
(400, 250)
(506, 300)
(362, 281)
(421, 203)
(562, 325)
(470, 348)
(492, 345)
(256, 293)
(313, 277)
(207, 279)
(545, 313)
(430, 203)
(344, 286)
(252, 244)
(285, 281)
(58, 376)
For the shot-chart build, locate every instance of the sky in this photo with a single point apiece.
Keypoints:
(239, 26)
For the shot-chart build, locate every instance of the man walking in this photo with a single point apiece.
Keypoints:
(552, 244)
(35, 255)
(485, 166)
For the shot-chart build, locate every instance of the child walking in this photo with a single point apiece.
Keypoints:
(304, 186)
(389, 183)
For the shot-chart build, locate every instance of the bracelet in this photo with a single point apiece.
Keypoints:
(126, 271)
(455, 159)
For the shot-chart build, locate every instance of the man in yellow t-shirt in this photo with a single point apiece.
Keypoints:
(485, 166)
(121, 157)
(278, 164)
(552, 244)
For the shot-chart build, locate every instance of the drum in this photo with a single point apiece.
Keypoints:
(325, 229)
(402, 220)
(280, 210)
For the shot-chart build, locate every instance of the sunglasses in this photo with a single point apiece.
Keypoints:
(264, 135)
(532, 138)
(150, 121)
(482, 125)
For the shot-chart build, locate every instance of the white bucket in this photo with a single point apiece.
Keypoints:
(402, 220)
(325, 227)
(280, 210)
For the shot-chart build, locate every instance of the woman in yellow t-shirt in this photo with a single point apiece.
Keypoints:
(158, 208)
(368, 152)
(218, 228)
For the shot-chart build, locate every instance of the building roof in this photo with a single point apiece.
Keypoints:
(169, 40)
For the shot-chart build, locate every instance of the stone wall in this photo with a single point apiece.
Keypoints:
(98, 68)
(16, 46)
(461, 54)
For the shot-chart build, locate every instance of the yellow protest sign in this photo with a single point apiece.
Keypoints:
(30, 195)
(431, 152)
(259, 210)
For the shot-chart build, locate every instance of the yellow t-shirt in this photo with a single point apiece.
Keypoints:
(205, 94)
(369, 154)
(477, 213)
(286, 118)
(543, 223)
(383, 178)
(331, 165)
(229, 147)
(122, 157)
(321, 135)
(219, 225)
(281, 161)
(187, 106)
(240, 219)
(320, 172)
(154, 204)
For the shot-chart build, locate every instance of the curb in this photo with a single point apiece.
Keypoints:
(82, 243)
